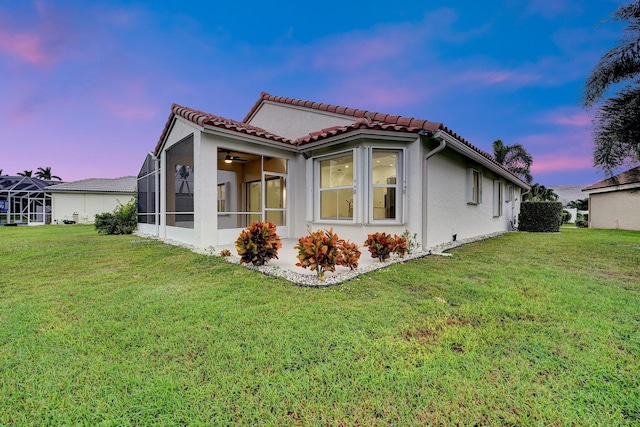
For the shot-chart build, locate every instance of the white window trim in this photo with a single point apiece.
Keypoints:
(400, 185)
(471, 196)
(497, 198)
(317, 190)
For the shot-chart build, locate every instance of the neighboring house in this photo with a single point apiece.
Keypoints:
(615, 202)
(307, 166)
(23, 200)
(80, 201)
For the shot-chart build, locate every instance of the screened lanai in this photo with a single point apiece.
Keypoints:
(23, 201)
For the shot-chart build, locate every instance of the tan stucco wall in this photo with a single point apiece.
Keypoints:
(294, 122)
(617, 209)
(87, 205)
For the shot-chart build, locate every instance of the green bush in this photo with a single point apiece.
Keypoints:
(122, 220)
(542, 217)
(566, 216)
(582, 220)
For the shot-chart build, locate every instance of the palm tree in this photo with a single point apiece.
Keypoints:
(617, 120)
(25, 173)
(515, 158)
(45, 173)
(580, 204)
(540, 193)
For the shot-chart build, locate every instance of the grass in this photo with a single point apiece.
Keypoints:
(524, 329)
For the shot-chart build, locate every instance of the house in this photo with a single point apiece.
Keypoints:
(306, 166)
(615, 202)
(23, 200)
(80, 201)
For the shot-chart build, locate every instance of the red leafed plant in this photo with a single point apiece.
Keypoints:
(400, 247)
(349, 254)
(381, 245)
(258, 243)
(322, 250)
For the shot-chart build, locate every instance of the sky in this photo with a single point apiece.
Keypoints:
(86, 87)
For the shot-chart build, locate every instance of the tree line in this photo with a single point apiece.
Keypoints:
(42, 173)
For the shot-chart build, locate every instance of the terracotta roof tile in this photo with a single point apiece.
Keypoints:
(632, 176)
(204, 119)
(376, 121)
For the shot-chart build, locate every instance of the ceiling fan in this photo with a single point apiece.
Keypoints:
(230, 159)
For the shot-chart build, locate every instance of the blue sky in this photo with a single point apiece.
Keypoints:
(87, 86)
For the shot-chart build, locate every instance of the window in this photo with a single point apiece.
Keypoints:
(180, 181)
(384, 183)
(474, 187)
(336, 187)
(497, 198)
(508, 196)
(222, 197)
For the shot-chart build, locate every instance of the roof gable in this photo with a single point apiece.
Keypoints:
(363, 120)
(632, 176)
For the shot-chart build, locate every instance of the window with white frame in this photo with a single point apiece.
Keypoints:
(336, 190)
(385, 184)
(508, 193)
(474, 187)
(497, 198)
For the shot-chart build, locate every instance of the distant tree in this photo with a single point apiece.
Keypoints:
(515, 158)
(0, 171)
(617, 121)
(45, 173)
(540, 193)
(25, 173)
(581, 204)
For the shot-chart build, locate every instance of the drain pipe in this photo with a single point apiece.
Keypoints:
(425, 180)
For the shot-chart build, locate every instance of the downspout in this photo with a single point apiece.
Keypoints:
(425, 182)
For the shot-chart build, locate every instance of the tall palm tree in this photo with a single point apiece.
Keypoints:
(45, 173)
(617, 120)
(515, 158)
(25, 173)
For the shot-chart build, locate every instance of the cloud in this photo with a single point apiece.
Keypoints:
(28, 47)
(494, 77)
(558, 162)
(130, 103)
(566, 116)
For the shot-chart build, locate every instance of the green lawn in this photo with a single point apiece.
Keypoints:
(524, 329)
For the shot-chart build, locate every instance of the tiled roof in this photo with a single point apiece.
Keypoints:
(201, 119)
(364, 120)
(375, 121)
(632, 176)
(125, 184)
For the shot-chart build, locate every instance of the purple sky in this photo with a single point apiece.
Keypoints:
(87, 86)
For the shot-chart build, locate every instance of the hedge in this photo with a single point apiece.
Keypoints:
(541, 217)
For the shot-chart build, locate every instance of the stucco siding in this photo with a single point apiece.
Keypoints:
(86, 205)
(616, 209)
(448, 211)
(293, 122)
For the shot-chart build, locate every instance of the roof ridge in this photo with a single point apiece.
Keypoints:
(630, 176)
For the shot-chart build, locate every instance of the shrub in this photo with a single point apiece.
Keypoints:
(258, 243)
(566, 216)
(582, 220)
(349, 255)
(540, 216)
(401, 244)
(225, 253)
(123, 220)
(381, 245)
(412, 240)
(322, 250)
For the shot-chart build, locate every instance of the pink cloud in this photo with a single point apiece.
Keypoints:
(493, 77)
(557, 162)
(28, 47)
(567, 117)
